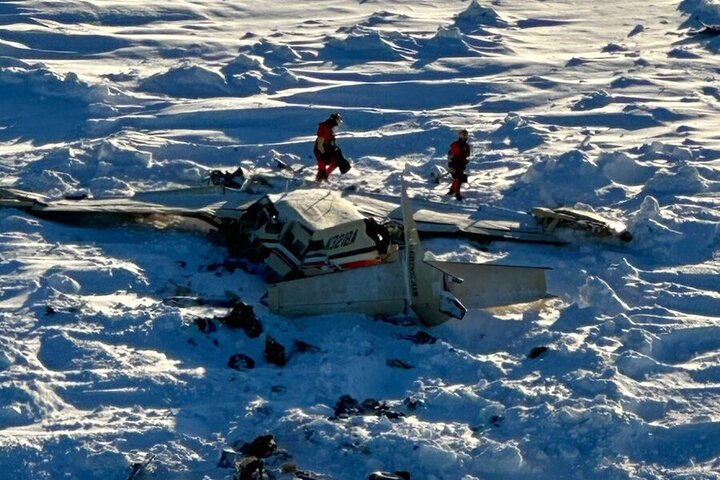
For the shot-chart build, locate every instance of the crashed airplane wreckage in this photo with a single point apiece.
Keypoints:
(435, 290)
(317, 241)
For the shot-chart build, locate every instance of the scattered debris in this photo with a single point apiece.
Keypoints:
(240, 361)
(303, 347)
(288, 468)
(280, 165)
(437, 173)
(399, 475)
(205, 325)
(262, 460)
(303, 475)
(249, 468)
(183, 301)
(420, 338)
(274, 352)
(397, 363)
(50, 310)
(346, 406)
(400, 320)
(227, 179)
(574, 218)
(243, 316)
(138, 469)
(230, 264)
(412, 403)
(379, 409)
(193, 301)
(537, 352)
(228, 457)
(262, 447)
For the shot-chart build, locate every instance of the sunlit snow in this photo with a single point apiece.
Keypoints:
(611, 106)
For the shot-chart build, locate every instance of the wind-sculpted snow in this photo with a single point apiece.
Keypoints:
(385, 18)
(79, 12)
(187, 80)
(64, 45)
(273, 54)
(361, 45)
(517, 132)
(247, 78)
(451, 42)
(34, 94)
(681, 179)
(105, 359)
(623, 169)
(38, 80)
(706, 12)
(562, 170)
(106, 167)
(242, 76)
(476, 16)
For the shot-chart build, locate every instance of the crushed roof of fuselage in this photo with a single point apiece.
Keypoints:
(315, 208)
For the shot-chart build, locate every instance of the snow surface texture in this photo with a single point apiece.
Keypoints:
(614, 105)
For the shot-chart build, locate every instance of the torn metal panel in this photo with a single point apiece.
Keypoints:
(564, 217)
(489, 285)
(441, 219)
(379, 289)
(212, 201)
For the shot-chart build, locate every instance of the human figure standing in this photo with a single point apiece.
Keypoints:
(328, 155)
(458, 158)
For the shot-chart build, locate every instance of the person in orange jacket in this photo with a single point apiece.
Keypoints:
(458, 158)
(328, 155)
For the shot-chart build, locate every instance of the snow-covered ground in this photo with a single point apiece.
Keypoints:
(611, 105)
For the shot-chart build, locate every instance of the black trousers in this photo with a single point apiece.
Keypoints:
(333, 154)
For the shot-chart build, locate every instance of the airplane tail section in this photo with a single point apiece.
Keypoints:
(488, 285)
(438, 291)
(425, 286)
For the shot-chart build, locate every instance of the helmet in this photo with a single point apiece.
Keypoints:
(463, 133)
(336, 118)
